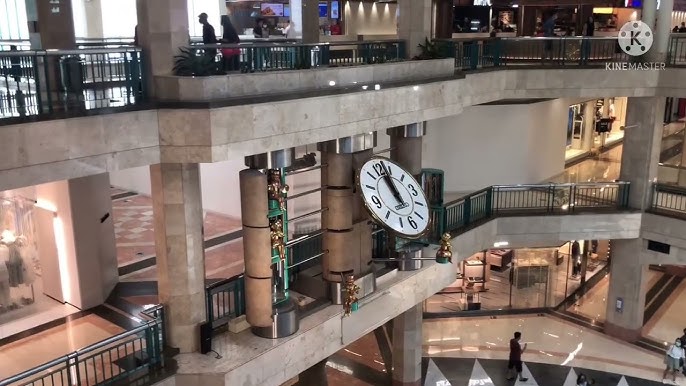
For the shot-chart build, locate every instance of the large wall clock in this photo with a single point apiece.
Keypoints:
(394, 198)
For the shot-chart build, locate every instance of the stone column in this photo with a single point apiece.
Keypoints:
(162, 29)
(641, 152)
(589, 126)
(257, 250)
(414, 23)
(86, 263)
(305, 18)
(648, 13)
(51, 24)
(407, 347)
(663, 28)
(361, 219)
(93, 12)
(628, 287)
(443, 25)
(406, 146)
(177, 208)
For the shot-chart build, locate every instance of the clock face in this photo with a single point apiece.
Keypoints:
(394, 198)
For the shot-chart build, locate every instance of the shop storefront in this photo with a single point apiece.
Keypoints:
(28, 264)
(521, 279)
(594, 125)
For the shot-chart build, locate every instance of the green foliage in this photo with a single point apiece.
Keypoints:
(432, 50)
(188, 63)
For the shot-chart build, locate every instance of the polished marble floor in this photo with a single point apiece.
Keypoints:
(55, 342)
(550, 340)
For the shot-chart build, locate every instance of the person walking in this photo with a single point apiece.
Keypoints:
(208, 35)
(230, 56)
(673, 357)
(588, 30)
(682, 362)
(515, 361)
(549, 32)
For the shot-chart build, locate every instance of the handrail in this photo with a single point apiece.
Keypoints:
(84, 51)
(291, 44)
(68, 358)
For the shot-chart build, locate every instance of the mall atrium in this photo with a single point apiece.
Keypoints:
(342, 192)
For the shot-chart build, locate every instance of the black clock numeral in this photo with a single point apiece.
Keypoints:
(378, 168)
(414, 191)
(402, 178)
(377, 202)
(371, 175)
(419, 203)
(390, 173)
(418, 215)
(413, 224)
(401, 222)
(388, 214)
(370, 187)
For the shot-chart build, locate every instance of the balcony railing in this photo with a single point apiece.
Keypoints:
(543, 199)
(225, 300)
(473, 54)
(122, 358)
(669, 200)
(256, 57)
(35, 83)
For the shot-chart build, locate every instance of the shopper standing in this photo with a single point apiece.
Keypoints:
(673, 356)
(549, 32)
(208, 35)
(682, 29)
(515, 361)
(588, 30)
(230, 56)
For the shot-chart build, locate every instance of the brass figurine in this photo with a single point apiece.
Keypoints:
(445, 252)
(351, 291)
(276, 233)
(277, 191)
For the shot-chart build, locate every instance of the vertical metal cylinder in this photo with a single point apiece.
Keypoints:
(256, 247)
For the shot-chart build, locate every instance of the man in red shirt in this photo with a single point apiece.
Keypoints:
(335, 28)
(515, 361)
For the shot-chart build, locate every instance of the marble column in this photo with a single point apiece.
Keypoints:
(663, 28)
(407, 347)
(178, 216)
(83, 269)
(338, 219)
(162, 29)
(305, 19)
(414, 23)
(361, 219)
(627, 289)
(406, 146)
(589, 126)
(641, 152)
(648, 13)
(51, 24)
(257, 250)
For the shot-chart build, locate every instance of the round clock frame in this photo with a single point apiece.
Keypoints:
(377, 175)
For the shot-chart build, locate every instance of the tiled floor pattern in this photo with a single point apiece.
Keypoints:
(50, 344)
(134, 227)
(550, 340)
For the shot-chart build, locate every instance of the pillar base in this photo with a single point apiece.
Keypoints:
(626, 334)
(367, 284)
(285, 321)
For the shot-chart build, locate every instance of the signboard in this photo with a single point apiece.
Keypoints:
(323, 10)
(271, 9)
(334, 10)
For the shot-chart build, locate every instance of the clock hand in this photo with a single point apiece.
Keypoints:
(391, 183)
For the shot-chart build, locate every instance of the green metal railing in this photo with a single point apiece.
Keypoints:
(122, 358)
(669, 199)
(495, 201)
(281, 56)
(34, 83)
(473, 54)
(225, 300)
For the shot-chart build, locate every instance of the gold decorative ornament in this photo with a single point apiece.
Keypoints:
(445, 252)
(276, 190)
(351, 291)
(276, 234)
